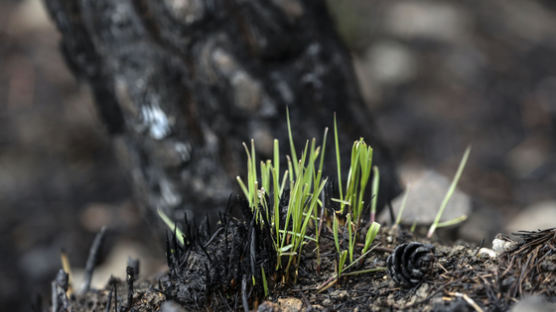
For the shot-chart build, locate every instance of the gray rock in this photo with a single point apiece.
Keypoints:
(389, 62)
(502, 244)
(483, 223)
(424, 199)
(537, 216)
(419, 19)
(534, 304)
(339, 294)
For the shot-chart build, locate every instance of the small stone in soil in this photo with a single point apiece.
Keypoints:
(268, 306)
(486, 252)
(290, 304)
(339, 294)
(170, 306)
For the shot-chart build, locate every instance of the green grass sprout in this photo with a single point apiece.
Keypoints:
(449, 194)
(265, 283)
(402, 208)
(372, 232)
(334, 278)
(351, 238)
(335, 230)
(338, 163)
(374, 198)
(341, 262)
(413, 226)
(451, 222)
(172, 226)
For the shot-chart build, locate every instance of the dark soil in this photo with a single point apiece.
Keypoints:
(207, 275)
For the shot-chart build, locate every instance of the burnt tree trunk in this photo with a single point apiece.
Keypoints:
(184, 82)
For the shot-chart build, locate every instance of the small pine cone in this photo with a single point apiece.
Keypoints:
(409, 263)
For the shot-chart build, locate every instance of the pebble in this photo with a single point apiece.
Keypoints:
(388, 63)
(268, 306)
(487, 252)
(483, 224)
(424, 20)
(500, 245)
(171, 306)
(290, 304)
(339, 294)
(422, 291)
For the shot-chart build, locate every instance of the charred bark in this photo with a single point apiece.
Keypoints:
(184, 82)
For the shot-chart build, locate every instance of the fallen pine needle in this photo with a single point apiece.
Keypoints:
(467, 299)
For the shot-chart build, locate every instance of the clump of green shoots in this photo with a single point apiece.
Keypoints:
(300, 223)
(351, 202)
(303, 179)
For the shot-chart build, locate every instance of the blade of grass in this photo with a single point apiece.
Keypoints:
(331, 281)
(451, 222)
(341, 262)
(402, 207)
(277, 192)
(370, 236)
(351, 239)
(265, 284)
(172, 226)
(321, 161)
(335, 229)
(413, 226)
(374, 199)
(365, 165)
(292, 146)
(338, 162)
(450, 192)
(243, 188)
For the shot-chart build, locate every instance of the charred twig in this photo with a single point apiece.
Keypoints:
(59, 287)
(115, 296)
(62, 284)
(54, 294)
(36, 304)
(109, 301)
(216, 233)
(392, 214)
(132, 271)
(92, 259)
(306, 301)
(244, 300)
(67, 268)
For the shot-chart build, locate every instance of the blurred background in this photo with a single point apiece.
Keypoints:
(437, 75)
